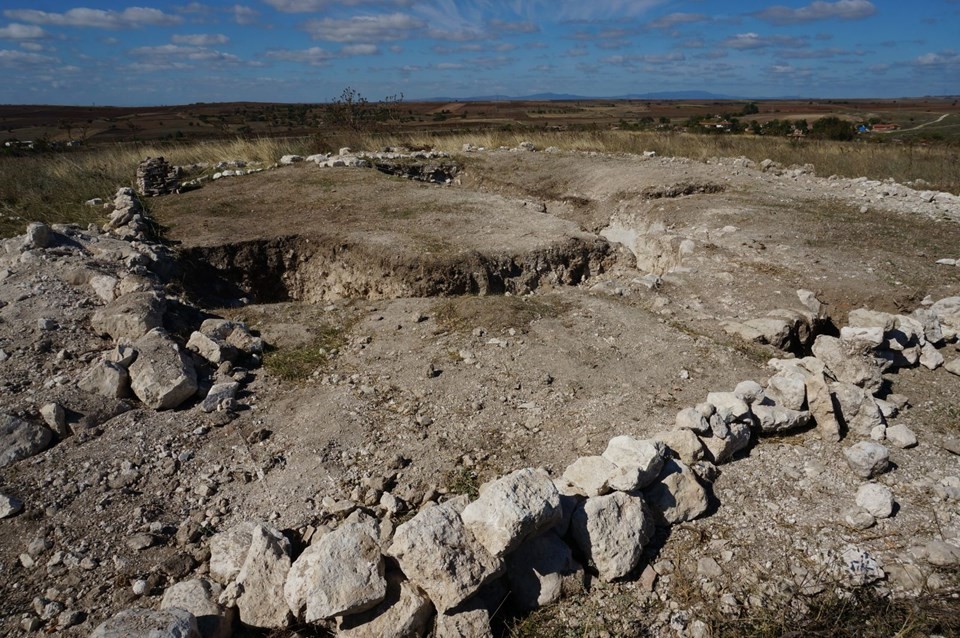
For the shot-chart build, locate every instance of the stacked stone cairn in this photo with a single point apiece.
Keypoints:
(155, 177)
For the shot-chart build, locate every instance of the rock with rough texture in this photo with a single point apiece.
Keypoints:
(859, 410)
(107, 379)
(932, 331)
(677, 495)
(942, 554)
(809, 299)
(341, 574)
(55, 417)
(260, 582)
(21, 439)
(404, 613)
(820, 403)
(867, 459)
(229, 549)
(859, 519)
(947, 311)
(538, 570)
(10, 506)
(199, 597)
(729, 406)
(639, 462)
(212, 350)
(749, 392)
(440, 555)
(901, 436)
(512, 508)
(930, 358)
(692, 419)
(865, 318)
(875, 499)
(219, 394)
(129, 317)
(868, 336)
(682, 444)
(953, 367)
(570, 497)
(773, 418)
(612, 531)
(469, 620)
(722, 449)
(787, 390)
(591, 475)
(163, 376)
(146, 623)
(848, 363)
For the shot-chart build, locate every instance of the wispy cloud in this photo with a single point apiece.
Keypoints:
(243, 14)
(20, 59)
(200, 39)
(756, 41)
(314, 56)
(315, 6)
(185, 53)
(375, 28)
(820, 10)
(672, 20)
(14, 31)
(130, 18)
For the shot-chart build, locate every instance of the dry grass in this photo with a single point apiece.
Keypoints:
(938, 164)
(52, 187)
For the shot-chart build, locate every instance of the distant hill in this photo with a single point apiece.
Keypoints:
(567, 97)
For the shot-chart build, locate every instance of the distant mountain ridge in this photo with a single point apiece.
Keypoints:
(566, 97)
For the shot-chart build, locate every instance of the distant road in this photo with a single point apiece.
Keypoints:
(903, 130)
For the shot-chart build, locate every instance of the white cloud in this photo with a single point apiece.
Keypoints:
(360, 49)
(32, 46)
(17, 59)
(200, 39)
(672, 20)
(14, 31)
(819, 10)
(502, 26)
(130, 18)
(378, 28)
(939, 59)
(243, 14)
(314, 56)
(312, 6)
(756, 41)
(188, 53)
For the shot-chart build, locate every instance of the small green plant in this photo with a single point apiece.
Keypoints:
(464, 481)
(297, 363)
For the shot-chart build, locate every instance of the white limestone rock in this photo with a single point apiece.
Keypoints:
(847, 363)
(404, 613)
(612, 531)
(591, 475)
(199, 597)
(129, 317)
(146, 623)
(512, 508)
(875, 499)
(787, 389)
(260, 602)
(901, 436)
(682, 444)
(677, 495)
(441, 556)
(538, 570)
(163, 376)
(867, 459)
(639, 462)
(341, 574)
(774, 419)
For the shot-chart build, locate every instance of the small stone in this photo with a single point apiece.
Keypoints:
(55, 417)
(591, 474)
(942, 554)
(141, 541)
(748, 391)
(10, 506)
(901, 436)
(709, 568)
(692, 419)
(856, 518)
(867, 459)
(677, 495)
(639, 462)
(876, 499)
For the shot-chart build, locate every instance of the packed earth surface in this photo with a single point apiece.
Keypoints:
(503, 392)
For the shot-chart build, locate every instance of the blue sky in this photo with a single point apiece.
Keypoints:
(146, 52)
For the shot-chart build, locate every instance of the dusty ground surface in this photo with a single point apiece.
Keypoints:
(381, 373)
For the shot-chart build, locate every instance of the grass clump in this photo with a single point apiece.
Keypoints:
(296, 363)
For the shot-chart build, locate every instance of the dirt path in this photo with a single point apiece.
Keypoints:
(920, 126)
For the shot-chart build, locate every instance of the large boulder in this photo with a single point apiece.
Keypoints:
(106, 378)
(404, 613)
(341, 574)
(163, 375)
(848, 363)
(612, 531)
(677, 495)
(639, 461)
(21, 439)
(259, 584)
(129, 317)
(146, 623)
(512, 508)
(199, 597)
(440, 555)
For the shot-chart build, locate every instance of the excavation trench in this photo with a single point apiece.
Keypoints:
(312, 269)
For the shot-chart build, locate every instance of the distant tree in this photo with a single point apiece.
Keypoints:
(833, 128)
(352, 110)
(750, 109)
